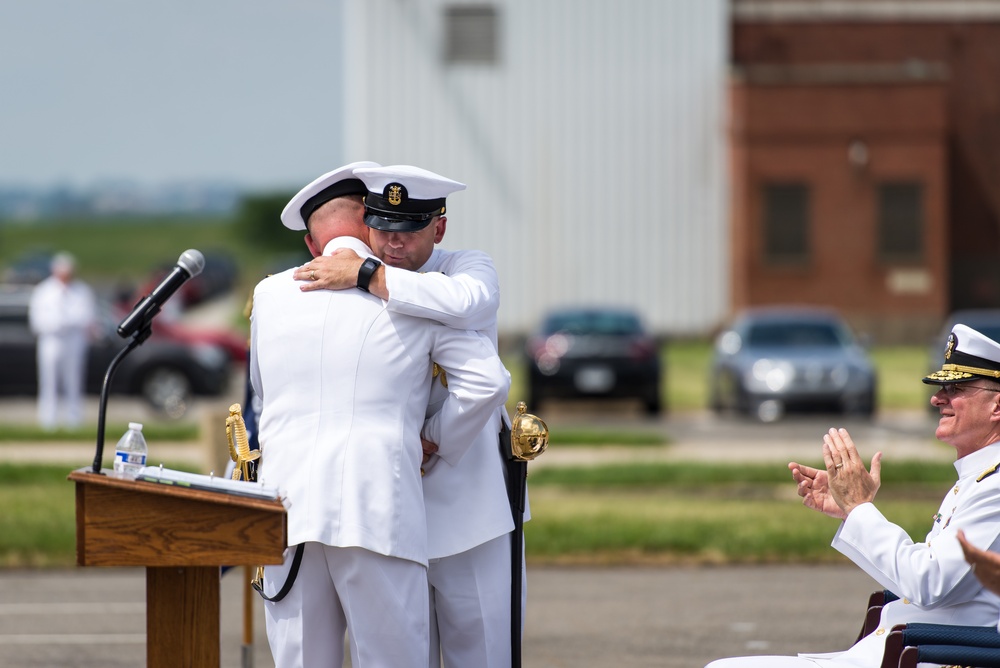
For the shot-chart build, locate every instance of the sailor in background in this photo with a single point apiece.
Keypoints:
(61, 315)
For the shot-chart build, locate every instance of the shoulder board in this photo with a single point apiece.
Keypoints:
(988, 472)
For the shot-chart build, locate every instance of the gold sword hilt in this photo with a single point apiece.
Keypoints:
(529, 435)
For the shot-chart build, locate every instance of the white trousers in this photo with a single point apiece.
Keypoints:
(380, 600)
(61, 363)
(469, 595)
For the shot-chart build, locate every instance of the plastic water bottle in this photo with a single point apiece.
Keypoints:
(130, 453)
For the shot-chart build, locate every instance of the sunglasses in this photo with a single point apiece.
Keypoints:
(954, 389)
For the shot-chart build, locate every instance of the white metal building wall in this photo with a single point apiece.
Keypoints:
(593, 150)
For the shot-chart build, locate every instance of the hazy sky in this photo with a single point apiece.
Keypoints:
(172, 90)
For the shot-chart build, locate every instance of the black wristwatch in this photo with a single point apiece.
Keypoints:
(366, 271)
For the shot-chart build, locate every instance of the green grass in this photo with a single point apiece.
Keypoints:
(702, 513)
(38, 524)
(669, 512)
(155, 431)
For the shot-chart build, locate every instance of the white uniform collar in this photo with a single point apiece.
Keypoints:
(976, 462)
(355, 244)
(433, 262)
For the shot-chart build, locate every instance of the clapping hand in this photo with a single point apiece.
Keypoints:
(813, 487)
(849, 481)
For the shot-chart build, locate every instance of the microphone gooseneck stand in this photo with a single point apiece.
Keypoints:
(141, 334)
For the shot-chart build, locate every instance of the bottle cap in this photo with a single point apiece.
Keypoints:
(135, 425)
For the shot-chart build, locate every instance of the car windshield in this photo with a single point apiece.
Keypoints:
(794, 335)
(611, 324)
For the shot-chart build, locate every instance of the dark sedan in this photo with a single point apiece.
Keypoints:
(590, 353)
(773, 359)
(166, 373)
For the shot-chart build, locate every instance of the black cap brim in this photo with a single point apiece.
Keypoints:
(395, 224)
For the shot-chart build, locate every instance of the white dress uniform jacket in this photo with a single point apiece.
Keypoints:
(934, 582)
(466, 503)
(342, 410)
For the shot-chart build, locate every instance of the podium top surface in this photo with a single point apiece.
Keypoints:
(88, 477)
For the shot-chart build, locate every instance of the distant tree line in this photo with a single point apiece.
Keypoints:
(259, 218)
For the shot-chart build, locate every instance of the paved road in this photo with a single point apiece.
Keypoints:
(679, 617)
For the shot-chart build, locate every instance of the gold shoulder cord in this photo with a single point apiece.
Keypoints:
(988, 472)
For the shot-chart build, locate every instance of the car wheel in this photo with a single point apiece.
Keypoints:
(168, 390)
(652, 404)
(715, 400)
(863, 406)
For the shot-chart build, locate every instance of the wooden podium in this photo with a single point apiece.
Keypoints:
(182, 536)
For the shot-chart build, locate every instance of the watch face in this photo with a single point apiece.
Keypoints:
(368, 268)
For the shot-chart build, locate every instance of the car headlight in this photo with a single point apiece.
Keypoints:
(767, 375)
(210, 356)
(839, 375)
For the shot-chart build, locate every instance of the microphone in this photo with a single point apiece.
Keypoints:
(189, 265)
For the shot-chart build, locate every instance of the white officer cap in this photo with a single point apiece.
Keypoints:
(331, 185)
(404, 198)
(968, 355)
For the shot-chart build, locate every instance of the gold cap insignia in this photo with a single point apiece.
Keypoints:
(950, 347)
(395, 196)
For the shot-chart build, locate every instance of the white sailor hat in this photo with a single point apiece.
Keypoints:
(968, 355)
(337, 183)
(403, 198)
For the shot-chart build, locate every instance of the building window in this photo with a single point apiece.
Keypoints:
(471, 34)
(786, 223)
(900, 222)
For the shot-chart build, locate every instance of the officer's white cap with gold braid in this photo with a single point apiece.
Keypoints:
(968, 355)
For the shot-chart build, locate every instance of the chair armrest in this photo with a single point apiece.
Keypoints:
(948, 634)
(962, 655)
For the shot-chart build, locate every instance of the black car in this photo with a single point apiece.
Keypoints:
(585, 353)
(773, 359)
(166, 373)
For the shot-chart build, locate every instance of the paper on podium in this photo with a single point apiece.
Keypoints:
(210, 483)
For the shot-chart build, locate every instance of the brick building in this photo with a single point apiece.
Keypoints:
(865, 158)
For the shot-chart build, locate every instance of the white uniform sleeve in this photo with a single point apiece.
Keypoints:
(932, 573)
(467, 298)
(477, 385)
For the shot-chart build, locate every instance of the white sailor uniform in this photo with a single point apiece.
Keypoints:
(934, 581)
(345, 384)
(468, 515)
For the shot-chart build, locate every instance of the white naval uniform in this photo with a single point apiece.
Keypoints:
(344, 385)
(61, 315)
(468, 514)
(935, 583)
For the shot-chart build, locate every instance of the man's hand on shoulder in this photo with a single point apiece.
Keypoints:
(338, 271)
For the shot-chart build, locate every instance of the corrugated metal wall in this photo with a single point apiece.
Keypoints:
(593, 150)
